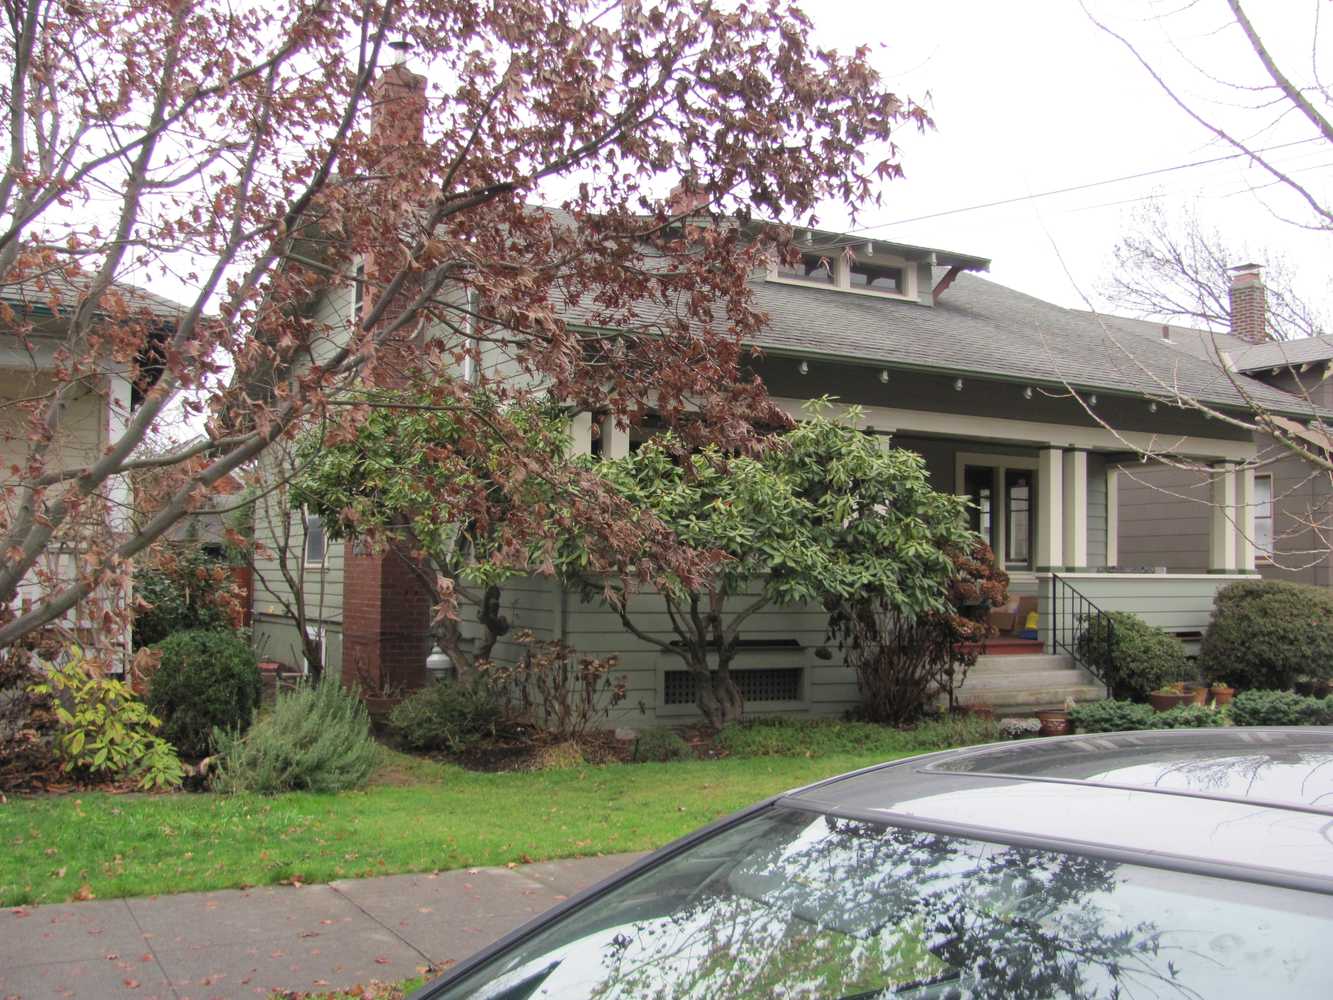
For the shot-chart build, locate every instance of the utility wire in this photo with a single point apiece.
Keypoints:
(1083, 187)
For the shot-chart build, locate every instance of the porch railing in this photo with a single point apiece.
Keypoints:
(1081, 629)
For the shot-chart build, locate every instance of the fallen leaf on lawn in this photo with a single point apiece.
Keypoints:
(146, 957)
(131, 984)
(85, 891)
(511, 864)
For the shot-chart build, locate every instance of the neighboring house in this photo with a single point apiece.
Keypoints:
(976, 378)
(1165, 512)
(94, 420)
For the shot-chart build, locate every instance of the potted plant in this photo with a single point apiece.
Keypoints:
(1055, 721)
(1166, 698)
(1197, 691)
(1221, 693)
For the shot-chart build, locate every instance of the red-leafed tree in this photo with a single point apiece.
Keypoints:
(258, 155)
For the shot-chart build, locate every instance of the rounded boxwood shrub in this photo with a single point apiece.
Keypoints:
(1280, 708)
(446, 715)
(1111, 717)
(661, 744)
(205, 680)
(1189, 717)
(1135, 659)
(1266, 633)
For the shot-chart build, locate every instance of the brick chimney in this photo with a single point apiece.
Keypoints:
(1249, 304)
(386, 609)
(398, 104)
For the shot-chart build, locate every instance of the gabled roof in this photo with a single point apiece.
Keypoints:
(1284, 353)
(983, 328)
(55, 291)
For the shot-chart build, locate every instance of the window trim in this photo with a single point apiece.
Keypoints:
(323, 559)
(1261, 554)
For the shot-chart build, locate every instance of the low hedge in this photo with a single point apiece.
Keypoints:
(1264, 634)
(1280, 708)
(1126, 716)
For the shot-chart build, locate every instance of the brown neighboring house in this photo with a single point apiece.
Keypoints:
(1164, 512)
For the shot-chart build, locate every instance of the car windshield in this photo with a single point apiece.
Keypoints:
(796, 904)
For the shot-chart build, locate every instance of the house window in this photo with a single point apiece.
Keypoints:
(1263, 516)
(879, 278)
(813, 268)
(1019, 511)
(358, 292)
(315, 542)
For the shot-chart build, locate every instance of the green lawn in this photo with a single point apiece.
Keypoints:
(418, 816)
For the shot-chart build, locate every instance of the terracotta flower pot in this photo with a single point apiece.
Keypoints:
(980, 711)
(1162, 701)
(1198, 693)
(1054, 721)
(1222, 695)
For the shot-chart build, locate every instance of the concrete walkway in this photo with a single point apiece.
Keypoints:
(248, 943)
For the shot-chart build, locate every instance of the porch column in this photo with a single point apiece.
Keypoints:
(615, 442)
(580, 434)
(1076, 510)
(1245, 520)
(1050, 510)
(1222, 517)
(1113, 515)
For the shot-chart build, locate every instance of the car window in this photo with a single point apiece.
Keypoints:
(797, 904)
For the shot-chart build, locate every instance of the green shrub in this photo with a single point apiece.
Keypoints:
(1136, 658)
(317, 738)
(184, 591)
(1189, 717)
(661, 744)
(1280, 708)
(446, 715)
(1266, 633)
(780, 737)
(205, 681)
(1111, 717)
(104, 730)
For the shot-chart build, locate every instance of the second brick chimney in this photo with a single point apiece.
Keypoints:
(1249, 304)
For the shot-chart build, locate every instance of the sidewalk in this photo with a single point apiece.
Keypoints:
(247, 943)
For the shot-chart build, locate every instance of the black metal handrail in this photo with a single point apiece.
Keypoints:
(1082, 630)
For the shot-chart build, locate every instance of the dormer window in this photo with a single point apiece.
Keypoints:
(814, 268)
(889, 276)
(878, 278)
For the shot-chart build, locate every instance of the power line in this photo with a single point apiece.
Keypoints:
(1083, 187)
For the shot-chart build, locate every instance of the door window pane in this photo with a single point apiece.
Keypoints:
(1018, 500)
(1263, 515)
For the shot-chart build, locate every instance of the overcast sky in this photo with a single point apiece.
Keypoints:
(1032, 96)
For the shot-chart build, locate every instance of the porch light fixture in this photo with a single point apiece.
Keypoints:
(884, 375)
(1027, 392)
(957, 385)
(809, 237)
(438, 665)
(803, 368)
(870, 249)
(1152, 407)
(1092, 400)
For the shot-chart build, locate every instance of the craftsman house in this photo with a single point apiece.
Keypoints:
(1165, 511)
(94, 418)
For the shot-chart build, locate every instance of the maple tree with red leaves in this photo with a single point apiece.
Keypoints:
(258, 155)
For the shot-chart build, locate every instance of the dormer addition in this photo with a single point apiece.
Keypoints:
(858, 272)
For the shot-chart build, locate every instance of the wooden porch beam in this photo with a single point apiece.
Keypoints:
(945, 282)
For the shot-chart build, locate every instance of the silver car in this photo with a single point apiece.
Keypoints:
(1181, 863)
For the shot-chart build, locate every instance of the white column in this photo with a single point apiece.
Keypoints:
(1112, 515)
(580, 434)
(1050, 509)
(1222, 530)
(1076, 510)
(615, 442)
(1245, 521)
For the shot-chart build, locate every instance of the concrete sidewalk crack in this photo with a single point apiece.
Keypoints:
(151, 950)
(342, 895)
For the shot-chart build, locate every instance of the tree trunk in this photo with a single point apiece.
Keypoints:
(718, 697)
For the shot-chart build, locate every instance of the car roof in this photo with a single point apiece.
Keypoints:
(1234, 800)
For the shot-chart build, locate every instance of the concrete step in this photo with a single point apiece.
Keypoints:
(1025, 701)
(1028, 678)
(1010, 664)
